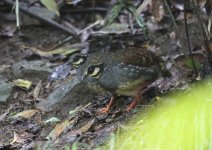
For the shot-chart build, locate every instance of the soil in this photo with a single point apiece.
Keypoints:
(79, 122)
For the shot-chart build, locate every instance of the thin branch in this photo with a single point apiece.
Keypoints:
(205, 34)
(46, 20)
(187, 37)
(170, 14)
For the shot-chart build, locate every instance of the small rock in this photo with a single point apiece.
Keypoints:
(60, 72)
(5, 91)
(57, 95)
(32, 70)
(27, 20)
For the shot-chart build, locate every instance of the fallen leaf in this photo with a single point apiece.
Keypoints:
(25, 84)
(37, 90)
(52, 120)
(72, 135)
(21, 137)
(58, 130)
(73, 112)
(26, 113)
(51, 5)
(114, 13)
(158, 10)
(2, 116)
(86, 127)
(62, 51)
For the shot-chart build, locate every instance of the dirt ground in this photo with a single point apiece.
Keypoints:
(32, 130)
(29, 121)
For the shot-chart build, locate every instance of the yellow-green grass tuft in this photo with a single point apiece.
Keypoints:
(180, 122)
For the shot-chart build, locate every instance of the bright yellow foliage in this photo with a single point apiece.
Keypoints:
(181, 122)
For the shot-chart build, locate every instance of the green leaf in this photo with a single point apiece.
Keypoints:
(114, 13)
(25, 114)
(74, 146)
(51, 5)
(52, 120)
(17, 13)
(139, 19)
(189, 64)
(25, 84)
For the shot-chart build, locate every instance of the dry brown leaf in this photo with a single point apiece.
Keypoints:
(21, 137)
(26, 113)
(86, 127)
(37, 90)
(157, 9)
(2, 116)
(58, 130)
(155, 6)
(66, 50)
(81, 130)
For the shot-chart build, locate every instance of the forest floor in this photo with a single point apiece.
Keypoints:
(54, 114)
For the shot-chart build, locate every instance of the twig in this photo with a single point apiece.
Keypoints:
(60, 43)
(46, 20)
(142, 7)
(130, 18)
(205, 34)
(170, 14)
(188, 39)
(175, 27)
(85, 10)
(98, 22)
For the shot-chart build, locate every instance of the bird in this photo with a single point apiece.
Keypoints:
(122, 73)
(80, 63)
(77, 59)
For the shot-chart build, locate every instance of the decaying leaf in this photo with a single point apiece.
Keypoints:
(73, 112)
(4, 67)
(156, 7)
(65, 51)
(21, 137)
(26, 113)
(58, 130)
(52, 120)
(23, 83)
(72, 135)
(86, 127)
(37, 90)
(157, 10)
(51, 5)
(2, 116)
